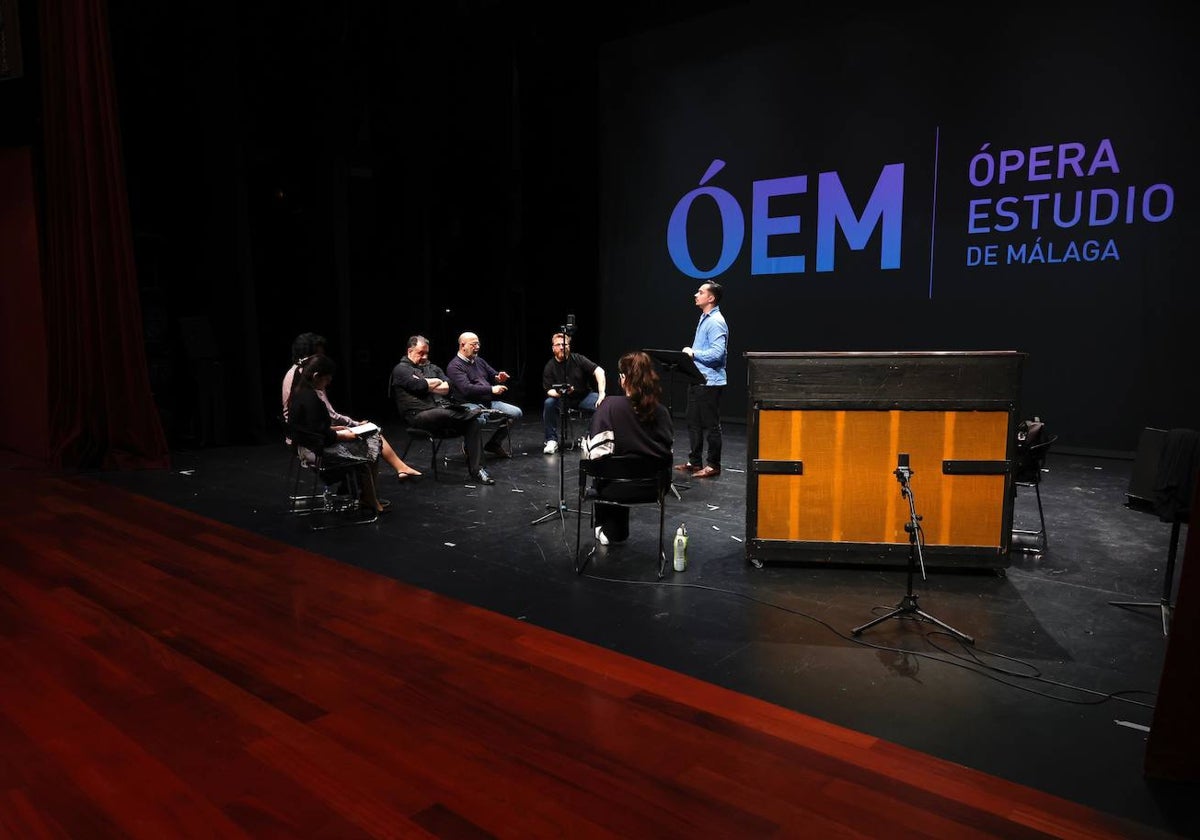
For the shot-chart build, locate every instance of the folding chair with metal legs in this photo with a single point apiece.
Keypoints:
(323, 507)
(625, 480)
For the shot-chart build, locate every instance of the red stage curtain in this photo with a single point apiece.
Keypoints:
(102, 413)
(24, 427)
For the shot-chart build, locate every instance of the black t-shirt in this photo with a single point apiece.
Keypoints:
(576, 370)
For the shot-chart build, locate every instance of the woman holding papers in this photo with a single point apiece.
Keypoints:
(304, 347)
(310, 427)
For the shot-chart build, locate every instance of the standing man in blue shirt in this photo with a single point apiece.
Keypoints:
(709, 350)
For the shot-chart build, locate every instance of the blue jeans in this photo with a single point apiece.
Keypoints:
(511, 413)
(550, 413)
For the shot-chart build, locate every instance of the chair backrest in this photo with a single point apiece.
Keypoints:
(1030, 433)
(628, 479)
(1033, 445)
(395, 399)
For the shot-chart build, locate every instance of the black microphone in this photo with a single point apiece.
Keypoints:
(902, 472)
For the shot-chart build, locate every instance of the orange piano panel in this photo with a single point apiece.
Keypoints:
(848, 491)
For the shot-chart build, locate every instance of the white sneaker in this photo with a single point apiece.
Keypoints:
(600, 537)
(550, 448)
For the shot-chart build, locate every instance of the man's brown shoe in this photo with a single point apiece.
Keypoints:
(707, 472)
(687, 468)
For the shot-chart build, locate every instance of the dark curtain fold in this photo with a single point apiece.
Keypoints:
(24, 425)
(102, 411)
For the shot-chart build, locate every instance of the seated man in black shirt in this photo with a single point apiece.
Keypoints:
(576, 371)
(421, 393)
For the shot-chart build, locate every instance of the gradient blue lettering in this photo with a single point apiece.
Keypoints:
(733, 226)
(886, 203)
(763, 226)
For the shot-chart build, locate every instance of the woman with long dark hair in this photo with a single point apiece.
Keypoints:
(309, 344)
(635, 423)
(310, 427)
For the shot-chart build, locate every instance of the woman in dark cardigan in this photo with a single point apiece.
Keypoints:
(309, 426)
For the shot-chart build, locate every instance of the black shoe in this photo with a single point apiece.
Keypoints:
(483, 478)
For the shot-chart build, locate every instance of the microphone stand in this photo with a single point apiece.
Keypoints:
(560, 510)
(908, 604)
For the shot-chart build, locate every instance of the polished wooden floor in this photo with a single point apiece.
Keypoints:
(165, 675)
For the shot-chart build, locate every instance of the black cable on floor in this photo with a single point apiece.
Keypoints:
(972, 663)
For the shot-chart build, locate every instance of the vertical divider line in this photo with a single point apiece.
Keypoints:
(937, 136)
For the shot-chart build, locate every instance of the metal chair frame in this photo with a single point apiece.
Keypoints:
(567, 439)
(321, 503)
(1028, 473)
(625, 475)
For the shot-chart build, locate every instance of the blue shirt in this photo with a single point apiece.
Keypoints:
(710, 347)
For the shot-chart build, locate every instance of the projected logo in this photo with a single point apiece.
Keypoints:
(882, 210)
(1043, 227)
(1015, 207)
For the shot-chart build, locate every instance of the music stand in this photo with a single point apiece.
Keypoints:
(1163, 604)
(1175, 477)
(672, 361)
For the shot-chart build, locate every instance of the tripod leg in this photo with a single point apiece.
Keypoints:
(963, 636)
(1164, 603)
(554, 511)
(858, 630)
(560, 510)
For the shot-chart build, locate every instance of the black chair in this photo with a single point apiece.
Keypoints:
(324, 504)
(1033, 445)
(409, 434)
(568, 438)
(623, 480)
(435, 439)
(492, 422)
(303, 502)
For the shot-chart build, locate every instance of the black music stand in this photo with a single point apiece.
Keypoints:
(1176, 475)
(673, 361)
(1164, 604)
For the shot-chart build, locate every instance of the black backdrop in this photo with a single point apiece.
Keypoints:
(366, 173)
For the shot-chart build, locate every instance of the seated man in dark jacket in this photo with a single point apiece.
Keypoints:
(474, 382)
(421, 392)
